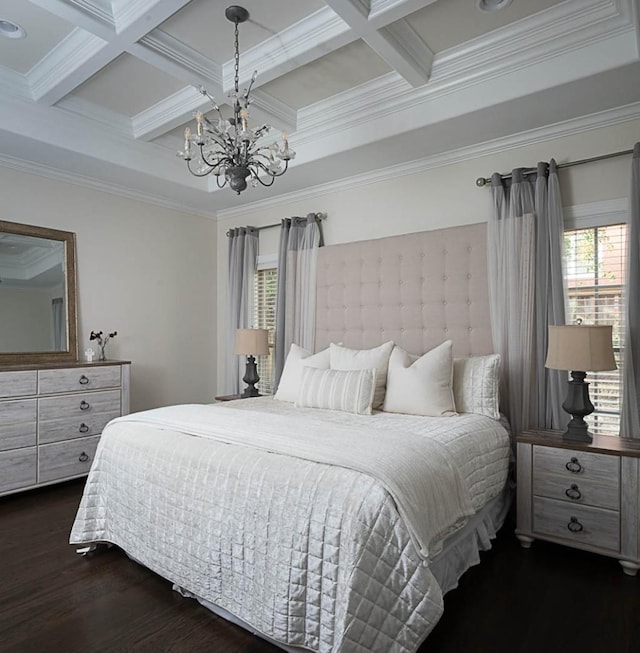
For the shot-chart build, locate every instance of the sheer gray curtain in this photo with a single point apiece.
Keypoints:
(630, 414)
(526, 290)
(243, 259)
(300, 239)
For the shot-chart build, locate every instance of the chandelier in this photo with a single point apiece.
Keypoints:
(227, 147)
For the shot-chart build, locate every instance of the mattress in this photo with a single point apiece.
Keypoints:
(310, 554)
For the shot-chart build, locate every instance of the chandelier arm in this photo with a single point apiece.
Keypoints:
(267, 171)
(199, 174)
(224, 182)
(264, 183)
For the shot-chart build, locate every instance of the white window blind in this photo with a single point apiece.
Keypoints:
(595, 262)
(265, 289)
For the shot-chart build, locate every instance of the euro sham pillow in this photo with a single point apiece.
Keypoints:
(476, 385)
(421, 385)
(349, 391)
(291, 378)
(343, 358)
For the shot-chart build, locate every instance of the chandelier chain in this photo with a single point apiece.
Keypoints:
(237, 57)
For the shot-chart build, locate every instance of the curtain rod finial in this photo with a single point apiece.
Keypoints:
(481, 181)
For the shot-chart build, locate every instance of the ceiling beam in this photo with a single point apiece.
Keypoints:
(64, 71)
(396, 42)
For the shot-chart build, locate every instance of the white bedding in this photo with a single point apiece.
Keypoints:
(310, 554)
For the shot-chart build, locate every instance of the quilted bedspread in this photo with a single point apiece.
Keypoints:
(310, 554)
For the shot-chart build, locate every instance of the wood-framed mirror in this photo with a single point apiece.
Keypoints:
(37, 295)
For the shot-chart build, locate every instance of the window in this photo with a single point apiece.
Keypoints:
(265, 290)
(595, 262)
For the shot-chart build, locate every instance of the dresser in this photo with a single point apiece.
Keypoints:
(51, 418)
(583, 495)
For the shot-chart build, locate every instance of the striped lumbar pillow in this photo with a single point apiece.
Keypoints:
(350, 391)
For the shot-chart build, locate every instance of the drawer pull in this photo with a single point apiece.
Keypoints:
(84, 405)
(573, 492)
(574, 525)
(83, 380)
(83, 428)
(574, 466)
(83, 457)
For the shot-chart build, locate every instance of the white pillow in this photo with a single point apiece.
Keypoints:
(421, 386)
(476, 385)
(343, 358)
(291, 377)
(349, 391)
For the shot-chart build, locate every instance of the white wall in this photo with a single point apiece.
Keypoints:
(145, 271)
(440, 197)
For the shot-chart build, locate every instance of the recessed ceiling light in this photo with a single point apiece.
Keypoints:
(492, 5)
(11, 30)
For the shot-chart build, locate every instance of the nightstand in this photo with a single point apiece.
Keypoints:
(227, 397)
(580, 494)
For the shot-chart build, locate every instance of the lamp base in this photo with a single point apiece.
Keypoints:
(251, 378)
(577, 430)
(578, 404)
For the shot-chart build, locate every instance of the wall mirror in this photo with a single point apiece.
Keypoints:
(37, 295)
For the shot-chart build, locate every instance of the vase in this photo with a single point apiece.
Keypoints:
(102, 357)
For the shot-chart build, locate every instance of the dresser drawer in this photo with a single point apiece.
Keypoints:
(80, 405)
(78, 379)
(577, 524)
(17, 424)
(18, 384)
(17, 469)
(76, 416)
(602, 468)
(66, 459)
(577, 490)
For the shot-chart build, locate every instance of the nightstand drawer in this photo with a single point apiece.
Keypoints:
(577, 524)
(602, 468)
(577, 490)
(66, 459)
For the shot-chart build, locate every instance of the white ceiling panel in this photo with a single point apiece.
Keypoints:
(444, 25)
(357, 84)
(202, 24)
(44, 32)
(128, 86)
(338, 71)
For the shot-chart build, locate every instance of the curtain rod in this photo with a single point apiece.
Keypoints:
(483, 181)
(319, 216)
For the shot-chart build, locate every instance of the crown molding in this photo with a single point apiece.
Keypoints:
(168, 113)
(85, 181)
(205, 70)
(558, 31)
(516, 141)
(70, 54)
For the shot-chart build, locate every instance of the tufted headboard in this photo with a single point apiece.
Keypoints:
(415, 289)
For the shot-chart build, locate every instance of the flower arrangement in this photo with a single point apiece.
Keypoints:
(102, 341)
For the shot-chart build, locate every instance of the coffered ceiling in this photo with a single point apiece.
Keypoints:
(99, 91)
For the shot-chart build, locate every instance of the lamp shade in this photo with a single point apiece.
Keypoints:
(252, 342)
(587, 348)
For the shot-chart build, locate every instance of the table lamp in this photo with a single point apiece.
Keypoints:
(579, 349)
(251, 343)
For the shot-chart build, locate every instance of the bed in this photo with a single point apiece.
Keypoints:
(317, 527)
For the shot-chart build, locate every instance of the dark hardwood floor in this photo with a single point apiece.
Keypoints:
(549, 599)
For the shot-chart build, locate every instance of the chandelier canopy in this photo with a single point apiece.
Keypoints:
(227, 147)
